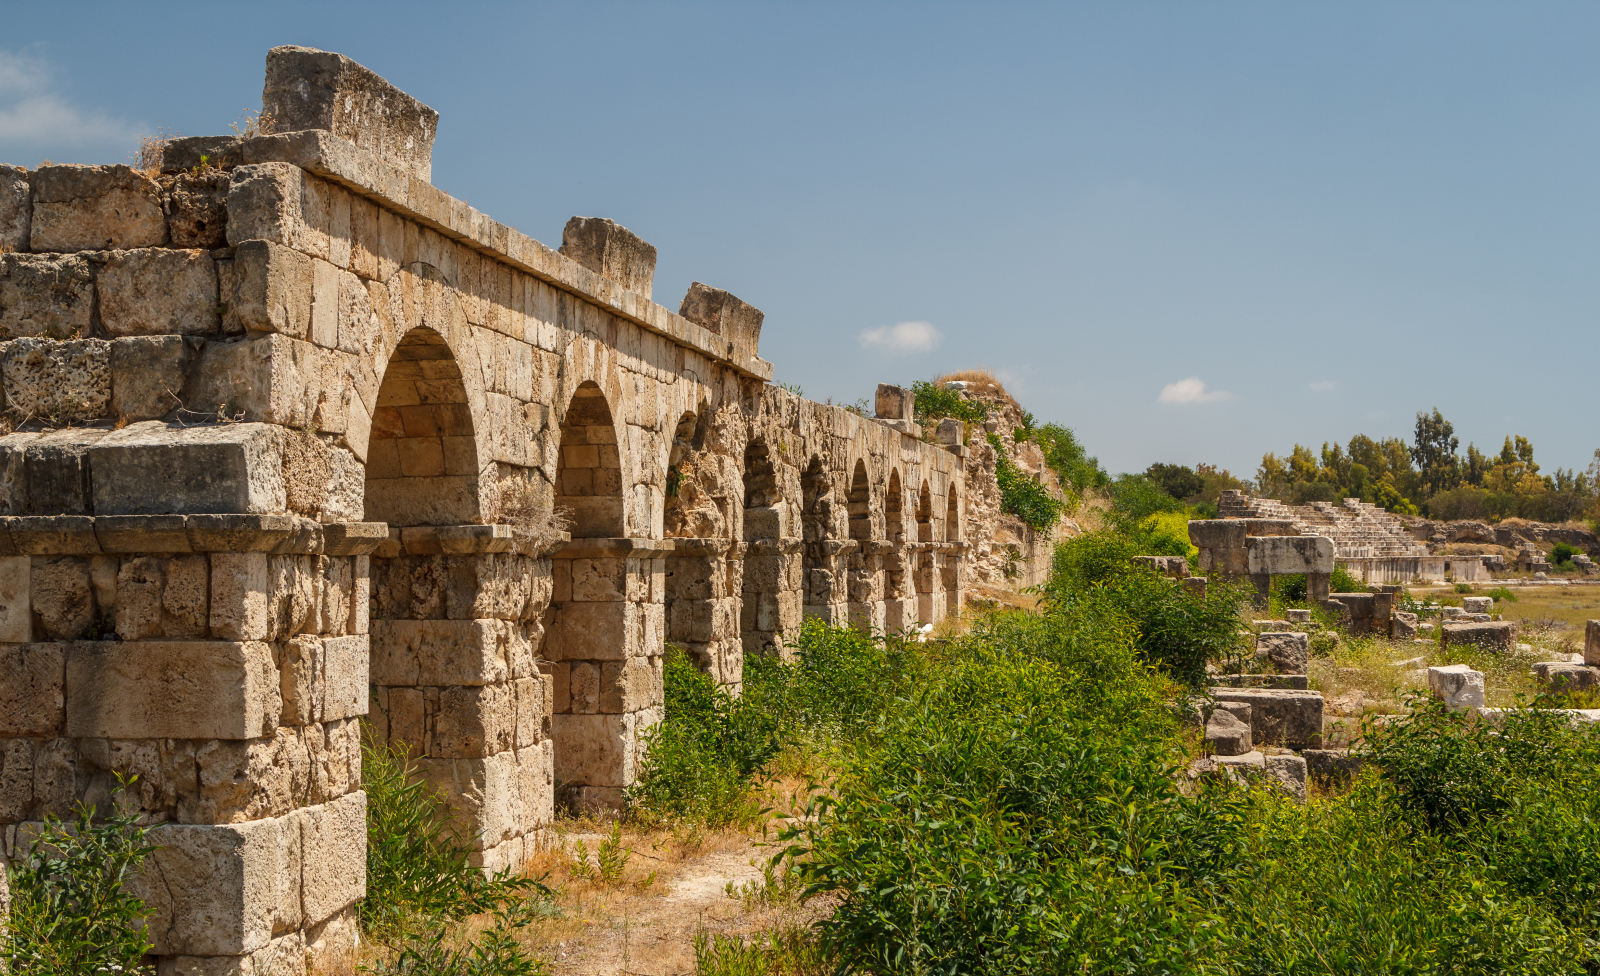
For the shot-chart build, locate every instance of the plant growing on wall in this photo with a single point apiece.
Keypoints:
(1022, 496)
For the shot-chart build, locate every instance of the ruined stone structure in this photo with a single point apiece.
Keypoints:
(299, 436)
(1369, 543)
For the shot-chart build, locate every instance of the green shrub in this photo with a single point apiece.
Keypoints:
(1135, 498)
(700, 761)
(935, 402)
(1292, 587)
(1561, 556)
(1021, 495)
(69, 912)
(1500, 593)
(418, 865)
(1067, 457)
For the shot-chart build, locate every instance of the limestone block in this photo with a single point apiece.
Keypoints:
(239, 596)
(16, 208)
(1280, 717)
(1283, 555)
(215, 890)
(196, 205)
(159, 291)
(894, 403)
(1477, 604)
(1403, 624)
(335, 758)
(596, 632)
(264, 204)
(281, 380)
(243, 780)
(1291, 651)
(147, 375)
(178, 690)
(1217, 533)
(299, 669)
(533, 710)
(45, 295)
(1457, 685)
(82, 208)
(32, 689)
(723, 314)
(1336, 766)
(485, 794)
(360, 332)
(152, 469)
(62, 596)
(473, 722)
(48, 473)
(610, 249)
(285, 955)
(334, 841)
(583, 688)
(1227, 735)
(598, 580)
(1562, 676)
(448, 652)
(311, 89)
(16, 605)
(272, 290)
(58, 381)
(1495, 635)
(1288, 773)
(1591, 643)
(629, 686)
(594, 750)
(536, 774)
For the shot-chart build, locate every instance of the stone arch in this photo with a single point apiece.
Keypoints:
(952, 517)
(422, 453)
(817, 568)
(924, 514)
(763, 515)
(860, 505)
(893, 509)
(589, 469)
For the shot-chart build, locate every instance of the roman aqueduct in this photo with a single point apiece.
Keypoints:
(293, 425)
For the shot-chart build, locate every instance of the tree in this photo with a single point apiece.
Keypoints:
(1434, 451)
(1177, 480)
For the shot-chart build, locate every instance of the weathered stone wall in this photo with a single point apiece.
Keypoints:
(295, 433)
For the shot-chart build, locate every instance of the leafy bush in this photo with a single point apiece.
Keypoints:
(69, 912)
(699, 762)
(1135, 498)
(1561, 556)
(1292, 586)
(1502, 593)
(1021, 495)
(1068, 458)
(418, 865)
(934, 402)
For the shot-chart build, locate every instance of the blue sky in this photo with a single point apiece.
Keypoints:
(1192, 231)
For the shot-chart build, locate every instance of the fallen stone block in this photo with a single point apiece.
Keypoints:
(1280, 717)
(1227, 735)
(1477, 604)
(1591, 643)
(1495, 636)
(1403, 625)
(1290, 651)
(1457, 685)
(1561, 676)
(1287, 773)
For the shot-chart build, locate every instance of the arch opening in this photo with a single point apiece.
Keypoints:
(893, 512)
(816, 520)
(589, 471)
(763, 516)
(860, 505)
(952, 518)
(924, 514)
(422, 458)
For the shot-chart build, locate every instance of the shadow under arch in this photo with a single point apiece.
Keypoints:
(589, 467)
(422, 455)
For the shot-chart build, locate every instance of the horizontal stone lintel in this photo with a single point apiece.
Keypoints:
(460, 540)
(614, 548)
(326, 155)
(90, 535)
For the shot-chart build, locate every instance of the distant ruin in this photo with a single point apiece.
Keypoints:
(303, 439)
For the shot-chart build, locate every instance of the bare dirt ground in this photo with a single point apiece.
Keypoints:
(675, 886)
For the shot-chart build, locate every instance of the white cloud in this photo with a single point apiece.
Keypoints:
(1191, 390)
(32, 111)
(902, 337)
(1323, 386)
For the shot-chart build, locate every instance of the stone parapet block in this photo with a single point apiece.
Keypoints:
(333, 158)
(84, 535)
(81, 208)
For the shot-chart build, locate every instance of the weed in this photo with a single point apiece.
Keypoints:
(1463, 587)
(935, 401)
(794, 388)
(69, 911)
(611, 858)
(1500, 593)
(252, 123)
(778, 885)
(147, 158)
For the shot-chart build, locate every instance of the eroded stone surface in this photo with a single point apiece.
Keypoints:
(78, 208)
